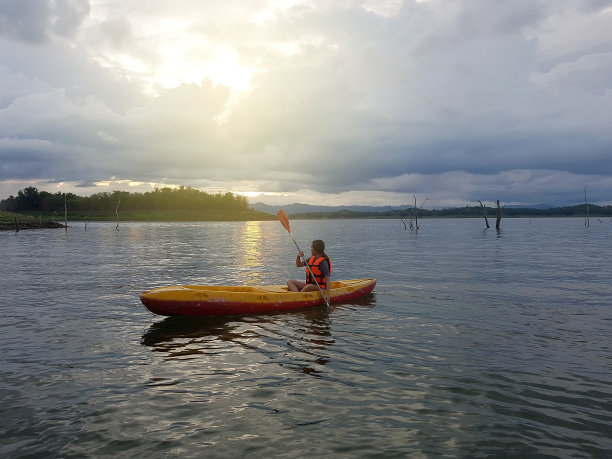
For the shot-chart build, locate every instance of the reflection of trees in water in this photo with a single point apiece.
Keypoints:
(296, 340)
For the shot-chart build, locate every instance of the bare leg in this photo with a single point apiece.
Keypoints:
(309, 288)
(295, 285)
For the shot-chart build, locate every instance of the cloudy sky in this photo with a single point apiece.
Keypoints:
(316, 101)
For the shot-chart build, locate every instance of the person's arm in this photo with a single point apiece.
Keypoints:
(298, 260)
(327, 276)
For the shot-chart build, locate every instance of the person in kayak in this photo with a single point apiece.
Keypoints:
(320, 266)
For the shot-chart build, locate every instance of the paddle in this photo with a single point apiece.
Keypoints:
(282, 216)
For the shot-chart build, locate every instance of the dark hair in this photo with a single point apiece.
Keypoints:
(319, 246)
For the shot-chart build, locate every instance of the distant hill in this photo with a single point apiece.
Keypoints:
(297, 208)
(307, 208)
(533, 206)
(299, 211)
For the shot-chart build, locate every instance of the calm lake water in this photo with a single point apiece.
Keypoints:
(474, 343)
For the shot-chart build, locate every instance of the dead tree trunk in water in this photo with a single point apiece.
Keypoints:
(416, 211)
(65, 213)
(400, 217)
(499, 215)
(587, 222)
(484, 213)
(117, 212)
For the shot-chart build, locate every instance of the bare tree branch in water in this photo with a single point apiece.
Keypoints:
(416, 210)
(401, 219)
(587, 222)
(117, 212)
(484, 213)
(412, 215)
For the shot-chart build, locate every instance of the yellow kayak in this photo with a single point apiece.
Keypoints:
(212, 300)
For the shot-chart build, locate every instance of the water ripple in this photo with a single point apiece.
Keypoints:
(475, 343)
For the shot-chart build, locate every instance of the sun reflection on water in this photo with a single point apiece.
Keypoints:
(250, 265)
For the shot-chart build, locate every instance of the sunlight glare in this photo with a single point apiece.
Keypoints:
(221, 68)
(251, 254)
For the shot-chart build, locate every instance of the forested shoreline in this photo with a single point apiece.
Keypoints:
(34, 208)
(30, 199)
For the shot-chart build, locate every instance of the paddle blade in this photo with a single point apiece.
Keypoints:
(282, 216)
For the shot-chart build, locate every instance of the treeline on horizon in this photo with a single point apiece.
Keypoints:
(188, 201)
(581, 210)
(30, 199)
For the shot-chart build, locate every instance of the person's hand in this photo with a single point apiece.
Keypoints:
(301, 254)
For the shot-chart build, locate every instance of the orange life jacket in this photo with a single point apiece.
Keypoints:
(314, 263)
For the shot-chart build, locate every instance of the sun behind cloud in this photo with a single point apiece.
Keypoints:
(167, 50)
(221, 67)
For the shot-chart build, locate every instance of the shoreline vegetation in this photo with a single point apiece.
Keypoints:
(476, 211)
(33, 209)
(10, 221)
